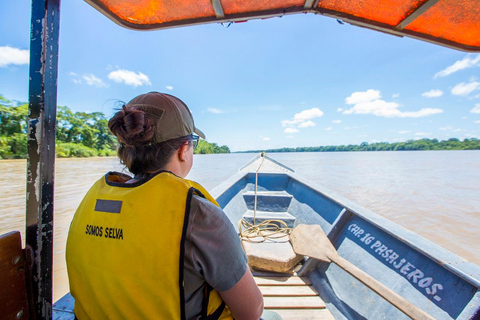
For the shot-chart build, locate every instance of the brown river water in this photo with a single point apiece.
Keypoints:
(433, 193)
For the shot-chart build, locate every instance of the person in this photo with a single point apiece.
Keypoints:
(156, 245)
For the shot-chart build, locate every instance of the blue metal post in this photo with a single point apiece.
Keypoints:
(44, 38)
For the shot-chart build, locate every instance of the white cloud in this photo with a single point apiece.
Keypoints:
(339, 109)
(89, 79)
(92, 80)
(467, 62)
(425, 112)
(169, 87)
(9, 55)
(77, 79)
(291, 130)
(265, 138)
(303, 116)
(403, 131)
(363, 96)
(130, 78)
(464, 89)
(476, 109)
(307, 124)
(369, 102)
(215, 110)
(302, 119)
(469, 135)
(337, 121)
(433, 93)
(446, 128)
(477, 121)
(377, 107)
(395, 95)
(328, 129)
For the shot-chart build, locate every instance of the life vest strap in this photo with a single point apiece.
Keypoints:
(217, 313)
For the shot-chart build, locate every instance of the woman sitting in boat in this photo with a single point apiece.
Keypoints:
(156, 246)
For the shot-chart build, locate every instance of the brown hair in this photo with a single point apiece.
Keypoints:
(135, 130)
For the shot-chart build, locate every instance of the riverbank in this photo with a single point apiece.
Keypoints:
(409, 145)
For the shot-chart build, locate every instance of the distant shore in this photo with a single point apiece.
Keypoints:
(410, 145)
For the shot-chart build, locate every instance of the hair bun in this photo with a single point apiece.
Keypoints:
(131, 127)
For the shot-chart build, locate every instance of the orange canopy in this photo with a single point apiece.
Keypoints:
(452, 23)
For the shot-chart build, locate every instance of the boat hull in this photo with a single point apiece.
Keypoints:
(428, 276)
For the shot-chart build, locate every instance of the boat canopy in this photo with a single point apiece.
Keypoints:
(451, 23)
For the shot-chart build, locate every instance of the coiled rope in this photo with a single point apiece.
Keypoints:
(268, 229)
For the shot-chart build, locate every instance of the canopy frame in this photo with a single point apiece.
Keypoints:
(42, 110)
(309, 6)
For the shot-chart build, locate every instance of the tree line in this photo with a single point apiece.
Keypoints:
(410, 145)
(78, 134)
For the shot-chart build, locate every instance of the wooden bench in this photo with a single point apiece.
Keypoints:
(293, 298)
(14, 293)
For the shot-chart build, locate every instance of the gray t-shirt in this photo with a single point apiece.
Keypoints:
(213, 254)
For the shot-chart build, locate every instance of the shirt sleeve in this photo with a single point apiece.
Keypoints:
(217, 252)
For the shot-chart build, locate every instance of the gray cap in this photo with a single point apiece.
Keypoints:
(172, 116)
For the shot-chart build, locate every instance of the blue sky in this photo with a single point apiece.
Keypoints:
(300, 80)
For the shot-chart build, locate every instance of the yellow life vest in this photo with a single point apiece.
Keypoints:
(125, 250)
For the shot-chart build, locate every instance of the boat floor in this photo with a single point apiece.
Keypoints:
(292, 297)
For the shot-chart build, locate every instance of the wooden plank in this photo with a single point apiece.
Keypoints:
(293, 303)
(304, 314)
(291, 291)
(282, 281)
(13, 288)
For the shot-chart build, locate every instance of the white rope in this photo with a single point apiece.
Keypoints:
(268, 229)
(256, 185)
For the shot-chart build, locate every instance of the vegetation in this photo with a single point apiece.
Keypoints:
(79, 134)
(410, 145)
(205, 147)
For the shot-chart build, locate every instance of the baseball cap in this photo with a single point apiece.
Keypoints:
(172, 117)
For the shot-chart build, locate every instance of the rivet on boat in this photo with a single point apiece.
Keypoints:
(17, 259)
(20, 314)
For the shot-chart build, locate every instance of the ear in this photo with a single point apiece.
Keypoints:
(181, 152)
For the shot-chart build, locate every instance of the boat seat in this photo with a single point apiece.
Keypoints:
(14, 294)
(275, 255)
(276, 201)
(293, 298)
(262, 216)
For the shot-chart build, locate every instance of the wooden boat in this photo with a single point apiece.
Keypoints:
(431, 278)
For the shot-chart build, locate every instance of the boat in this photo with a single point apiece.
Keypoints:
(426, 276)
(441, 22)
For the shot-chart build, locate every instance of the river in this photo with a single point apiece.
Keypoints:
(433, 193)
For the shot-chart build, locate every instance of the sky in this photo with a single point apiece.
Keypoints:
(294, 81)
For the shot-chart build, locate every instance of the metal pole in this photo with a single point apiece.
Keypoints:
(44, 36)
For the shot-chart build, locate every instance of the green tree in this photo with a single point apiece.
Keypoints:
(205, 147)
